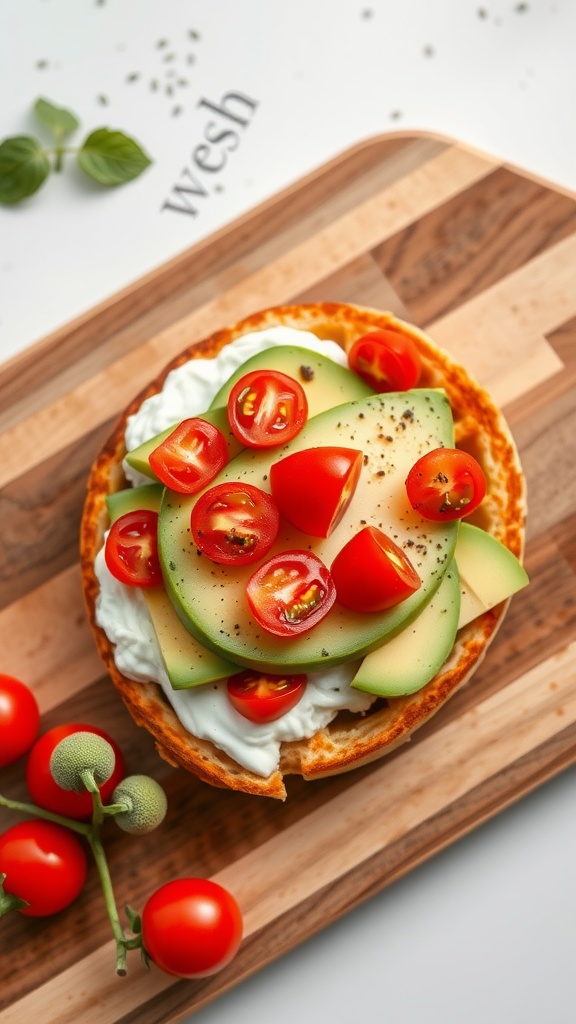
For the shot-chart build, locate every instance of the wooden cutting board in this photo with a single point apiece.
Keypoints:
(483, 256)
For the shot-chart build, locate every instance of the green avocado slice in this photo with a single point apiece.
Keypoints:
(325, 382)
(412, 658)
(393, 431)
(489, 572)
(187, 662)
(138, 458)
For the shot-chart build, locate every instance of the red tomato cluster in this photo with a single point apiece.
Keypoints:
(387, 360)
(236, 523)
(131, 550)
(47, 794)
(44, 864)
(191, 927)
(190, 457)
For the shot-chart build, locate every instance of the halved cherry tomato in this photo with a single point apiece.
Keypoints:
(44, 864)
(191, 927)
(48, 794)
(290, 593)
(371, 573)
(191, 456)
(314, 487)
(266, 408)
(387, 360)
(445, 484)
(262, 697)
(131, 550)
(234, 523)
(19, 719)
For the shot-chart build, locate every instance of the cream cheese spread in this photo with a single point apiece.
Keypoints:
(121, 611)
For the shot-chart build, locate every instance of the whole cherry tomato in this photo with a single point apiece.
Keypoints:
(44, 864)
(266, 408)
(263, 697)
(387, 360)
(47, 794)
(131, 550)
(445, 484)
(191, 927)
(290, 593)
(19, 719)
(371, 573)
(190, 457)
(234, 523)
(314, 487)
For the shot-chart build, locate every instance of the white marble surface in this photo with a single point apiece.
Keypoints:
(487, 929)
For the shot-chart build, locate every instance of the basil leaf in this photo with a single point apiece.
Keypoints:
(24, 167)
(61, 121)
(112, 157)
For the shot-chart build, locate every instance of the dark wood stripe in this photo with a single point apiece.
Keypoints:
(467, 244)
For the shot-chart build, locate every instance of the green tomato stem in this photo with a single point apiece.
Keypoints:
(98, 852)
(39, 812)
(89, 781)
(109, 899)
(91, 833)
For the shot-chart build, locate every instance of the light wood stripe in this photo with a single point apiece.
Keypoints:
(47, 641)
(92, 403)
(320, 848)
(393, 799)
(525, 305)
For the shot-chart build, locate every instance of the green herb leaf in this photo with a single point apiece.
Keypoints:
(111, 157)
(24, 167)
(61, 121)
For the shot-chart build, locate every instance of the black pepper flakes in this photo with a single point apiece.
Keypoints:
(306, 373)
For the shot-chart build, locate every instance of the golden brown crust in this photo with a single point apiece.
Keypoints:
(351, 740)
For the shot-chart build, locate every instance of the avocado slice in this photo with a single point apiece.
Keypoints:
(412, 658)
(325, 382)
(489, 572)
(130, 499)
(393, 431)
(186, 661)
(138, 457)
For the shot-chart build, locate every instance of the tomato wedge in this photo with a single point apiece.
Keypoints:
(266, 408)
(190, 457)
(387, 360)
(445, 484)
(314, 487)
(131, 550)
(234, 523)
(261, 697)
(290, 593)
(371, 573)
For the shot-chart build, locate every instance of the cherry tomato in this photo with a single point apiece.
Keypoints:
(190, 457)
(234, 523)
(387, 360)
(191, 927)
(261, 697)
(47, 794)
(314, 487)
(445, 484)
(44, 864)
(19, 719)
(290, 593)
(266, 408)
(131, 550)
(371, 573)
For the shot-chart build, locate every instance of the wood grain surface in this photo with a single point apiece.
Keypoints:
(481, 255)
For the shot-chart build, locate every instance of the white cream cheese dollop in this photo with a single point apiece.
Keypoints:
(121, 611)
